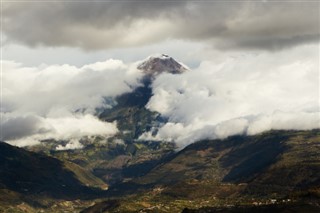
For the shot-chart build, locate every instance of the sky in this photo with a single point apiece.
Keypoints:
(254, 66)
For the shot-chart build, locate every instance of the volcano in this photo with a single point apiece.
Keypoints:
(157, 64)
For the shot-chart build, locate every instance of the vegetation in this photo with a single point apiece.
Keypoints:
(274, 171)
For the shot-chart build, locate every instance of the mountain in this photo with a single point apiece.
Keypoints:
(276, 170)
(132, 117)
(32, 177)
(157, 64)
(285, 159)
(273, 171)
(122, 156)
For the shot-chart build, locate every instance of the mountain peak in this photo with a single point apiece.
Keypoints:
(159, 63)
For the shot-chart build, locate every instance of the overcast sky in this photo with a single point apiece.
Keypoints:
(84, 31)
(244, 47)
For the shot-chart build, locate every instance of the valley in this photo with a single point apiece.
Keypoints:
(276, 170)
(270, 169)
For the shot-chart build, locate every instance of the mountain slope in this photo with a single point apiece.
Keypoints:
(274, 168)
(29, 173)
(280, 158)
(151, 176)
(113, 159)
(130, 113)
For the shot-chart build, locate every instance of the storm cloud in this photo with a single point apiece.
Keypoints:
(267, 25)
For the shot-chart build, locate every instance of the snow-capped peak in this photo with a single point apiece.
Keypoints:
(159, 63)
(158, 55)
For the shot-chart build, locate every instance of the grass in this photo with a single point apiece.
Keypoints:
(238, 171)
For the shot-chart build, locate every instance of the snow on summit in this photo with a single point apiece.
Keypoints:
(159, 63)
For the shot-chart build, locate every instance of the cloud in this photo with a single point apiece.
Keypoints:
(239, 94)
(59, 101)
(100, 25)
(73, 144)
(14, 127)
(29, 130)
(229, 93)
(56, 88)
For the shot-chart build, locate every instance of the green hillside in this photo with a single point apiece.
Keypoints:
(274, 171)
(36, 179)
(273, 168)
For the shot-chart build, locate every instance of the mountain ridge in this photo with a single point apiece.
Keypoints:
(153, 176)
(30, 173)
(278, 169)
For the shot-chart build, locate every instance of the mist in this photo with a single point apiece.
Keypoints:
(239, 94)
(60, 101)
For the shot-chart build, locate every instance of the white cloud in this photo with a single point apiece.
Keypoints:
(240, 93)
(27, 130)
(46, 88)
(229, 93)
(58, 101)
(79, 126)
(73, 144)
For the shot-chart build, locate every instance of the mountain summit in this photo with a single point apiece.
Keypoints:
(157, 64)
(130, 112)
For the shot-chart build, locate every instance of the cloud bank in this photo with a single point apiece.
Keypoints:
(239, 94)
(267, 25)
(230, 93)
(59, 101)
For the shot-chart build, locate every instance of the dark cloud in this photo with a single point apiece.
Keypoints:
(269, 43)
(19, 127)
(110, 24)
